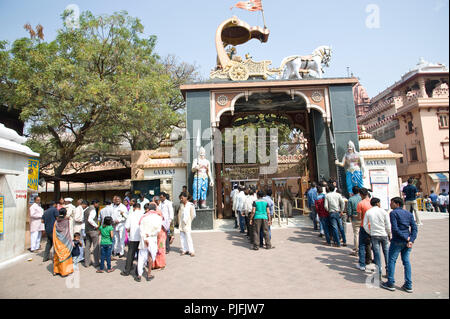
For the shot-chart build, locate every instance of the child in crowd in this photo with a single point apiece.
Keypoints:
(106, 231)
(76, 255)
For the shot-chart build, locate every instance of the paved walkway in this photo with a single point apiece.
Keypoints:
(224, 267)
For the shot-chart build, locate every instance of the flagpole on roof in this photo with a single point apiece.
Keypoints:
(264, 19)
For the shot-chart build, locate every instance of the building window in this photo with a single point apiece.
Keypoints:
(445, 149)
(410, 127)
(413, 155)
(443, 121)
(401, 159)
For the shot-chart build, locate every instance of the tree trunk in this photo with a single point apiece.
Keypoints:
(56, 190)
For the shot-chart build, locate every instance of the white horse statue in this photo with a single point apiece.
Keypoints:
(309, 66)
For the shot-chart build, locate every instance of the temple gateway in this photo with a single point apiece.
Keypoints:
(318, 114)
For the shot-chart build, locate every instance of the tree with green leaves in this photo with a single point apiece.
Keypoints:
(89, 90)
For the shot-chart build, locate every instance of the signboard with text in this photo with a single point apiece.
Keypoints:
(33, 173)
(379, 180)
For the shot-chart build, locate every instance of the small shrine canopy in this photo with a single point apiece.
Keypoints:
(371, 148)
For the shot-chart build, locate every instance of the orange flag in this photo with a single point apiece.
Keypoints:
(253, 5)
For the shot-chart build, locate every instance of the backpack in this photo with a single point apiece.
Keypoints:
(320, 207)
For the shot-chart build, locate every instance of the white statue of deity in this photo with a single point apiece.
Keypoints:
(311, 65)
(201, 168)
(354, 163)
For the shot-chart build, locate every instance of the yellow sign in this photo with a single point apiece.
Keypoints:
(33, 173)
(2, 200)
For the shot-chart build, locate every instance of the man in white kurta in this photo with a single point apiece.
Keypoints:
(233, 196)
(105, 211)
(149, 227)
(70, 213)
(120, 214)
(78, 216)
(36, 225)
(167, 210)
(185, 218)
(134, 236)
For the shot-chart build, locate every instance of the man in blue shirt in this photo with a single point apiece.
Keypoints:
(411, 193)
(311, 197)
(404, 233)
(434, 200)
(49, 219)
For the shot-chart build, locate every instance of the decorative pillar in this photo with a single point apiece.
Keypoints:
(423, 91)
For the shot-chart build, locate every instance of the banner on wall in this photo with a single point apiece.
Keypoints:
(33, 174)
(2, 209)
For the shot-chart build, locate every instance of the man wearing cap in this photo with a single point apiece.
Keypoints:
(70, 213)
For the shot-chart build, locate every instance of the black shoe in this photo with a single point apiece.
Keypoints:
(45, 259)
(138, 279)
(123, 273)
(409, 290)
(320, 235)
(385, 285)
(261, 246)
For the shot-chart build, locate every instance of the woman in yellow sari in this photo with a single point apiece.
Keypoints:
(62, 242)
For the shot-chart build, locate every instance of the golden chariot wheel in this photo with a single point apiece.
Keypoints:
(239, 73)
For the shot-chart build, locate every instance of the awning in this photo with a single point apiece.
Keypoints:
(439, 177)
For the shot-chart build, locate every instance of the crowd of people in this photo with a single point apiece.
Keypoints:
(374, 229)
(253, 212)
(437, 203)
(145, 227)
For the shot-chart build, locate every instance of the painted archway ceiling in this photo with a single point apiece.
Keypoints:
(266, 102)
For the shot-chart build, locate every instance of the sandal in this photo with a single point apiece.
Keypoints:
(150, 278)
(110, 270)
(100, 271)
(138, 279)
(182, 253)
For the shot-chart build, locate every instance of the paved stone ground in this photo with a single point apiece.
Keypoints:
(224, 267)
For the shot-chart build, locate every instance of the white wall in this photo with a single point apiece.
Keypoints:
(12, 241)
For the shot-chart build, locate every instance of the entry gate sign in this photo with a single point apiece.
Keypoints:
(33, 173)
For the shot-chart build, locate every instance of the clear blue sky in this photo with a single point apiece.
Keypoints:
(378, 56)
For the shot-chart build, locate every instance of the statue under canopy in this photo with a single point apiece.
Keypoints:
(355, 169)
(201, 168)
